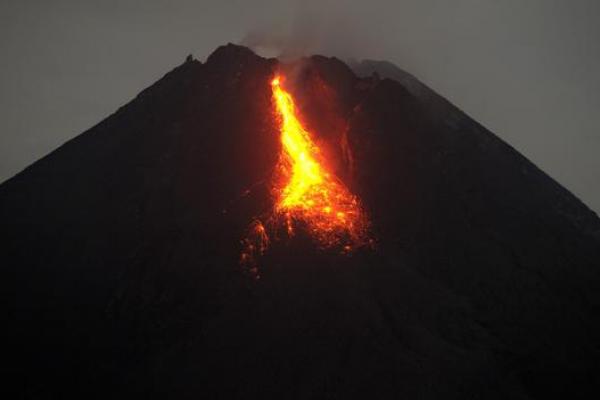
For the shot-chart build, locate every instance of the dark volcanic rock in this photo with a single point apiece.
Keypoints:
(120, 252)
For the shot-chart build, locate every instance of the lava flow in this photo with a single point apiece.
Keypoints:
(310, 193)
(305, 190)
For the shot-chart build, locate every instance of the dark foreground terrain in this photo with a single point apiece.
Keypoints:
(119, 260)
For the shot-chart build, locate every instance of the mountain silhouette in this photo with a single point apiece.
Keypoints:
(120, 260)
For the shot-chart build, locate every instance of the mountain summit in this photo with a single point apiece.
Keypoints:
(121, 272)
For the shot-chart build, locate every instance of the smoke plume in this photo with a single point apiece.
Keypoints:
(326, 27)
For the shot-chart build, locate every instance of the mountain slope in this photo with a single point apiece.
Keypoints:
(121, 259)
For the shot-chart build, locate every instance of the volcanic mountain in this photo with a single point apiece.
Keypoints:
(121, 251)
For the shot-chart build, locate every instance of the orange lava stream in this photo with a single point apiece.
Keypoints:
(309, 192)
(305, 191)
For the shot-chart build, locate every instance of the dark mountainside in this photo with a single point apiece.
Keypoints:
(120, 252)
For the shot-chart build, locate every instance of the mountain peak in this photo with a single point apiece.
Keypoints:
(121, 251)
(230, 53)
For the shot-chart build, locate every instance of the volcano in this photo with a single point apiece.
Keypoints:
(121, 250)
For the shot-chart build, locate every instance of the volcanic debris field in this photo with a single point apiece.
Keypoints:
(121, 251)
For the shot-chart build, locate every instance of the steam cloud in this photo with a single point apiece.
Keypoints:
(326, 27)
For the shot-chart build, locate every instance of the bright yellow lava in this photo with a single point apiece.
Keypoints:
(305, 191)
(309, 191)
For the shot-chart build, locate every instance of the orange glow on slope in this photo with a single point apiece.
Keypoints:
(310, 193)
(304, 191)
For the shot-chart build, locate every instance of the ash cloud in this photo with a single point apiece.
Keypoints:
(315, 27)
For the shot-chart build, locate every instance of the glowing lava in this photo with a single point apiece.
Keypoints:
(309, 192)
(305, 191)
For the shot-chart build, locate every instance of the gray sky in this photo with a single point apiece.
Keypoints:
(526, 69)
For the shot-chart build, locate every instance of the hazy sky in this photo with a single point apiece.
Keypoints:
(529, 70)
